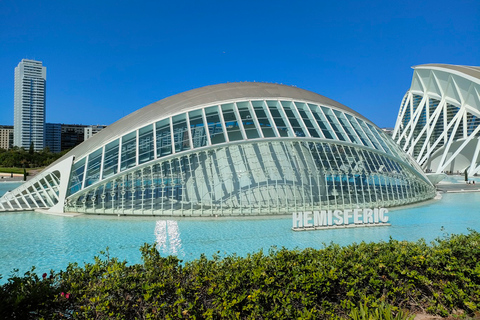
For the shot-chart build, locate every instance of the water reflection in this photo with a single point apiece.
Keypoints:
(167, 236)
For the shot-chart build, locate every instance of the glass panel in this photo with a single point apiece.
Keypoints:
(93, 167)
(247, 120)
(346, 126)
(379, 138)
(292, 118)
(110, 162)
(164, 138)
(333, 123)
(305, 114)
(231, 122)
(129, 151)
(370, 136)
(76, 179)
(263, 120)
(365, 141)
(197, 127)
(180, 133)
(322, 122)
(277, 118)
(145, 144)
(214, 125)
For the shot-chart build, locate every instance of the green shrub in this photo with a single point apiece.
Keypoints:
(383, 278)
(382, 312)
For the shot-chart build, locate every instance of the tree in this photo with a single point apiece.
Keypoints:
(32, 149)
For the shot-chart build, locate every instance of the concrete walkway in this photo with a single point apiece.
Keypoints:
(458, 187)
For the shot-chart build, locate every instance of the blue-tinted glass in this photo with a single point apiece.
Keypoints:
(76, 177)
(129, 151)
(231, 122)
(164, 138)
(263, 120)
(180, 133)
(145, 144)
(93, 167)
(274, 106)
(197, 127)
(292, 118)
(110, 162)
(333, 123)
(214, 125)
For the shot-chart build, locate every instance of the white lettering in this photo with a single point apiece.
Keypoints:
(347, 214)
(338, 218)
(357, 215)
(320, 218)
(307, 219)
(297, 220)
(367, 216)
(382, 215)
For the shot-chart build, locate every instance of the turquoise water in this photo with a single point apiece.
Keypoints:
(51, 242)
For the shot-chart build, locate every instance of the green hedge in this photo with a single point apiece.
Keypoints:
(11, 170)
(440, 278)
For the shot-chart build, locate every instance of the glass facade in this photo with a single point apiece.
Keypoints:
(244, 156)
(248, 157)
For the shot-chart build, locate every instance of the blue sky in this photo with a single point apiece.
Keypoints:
(106, 59)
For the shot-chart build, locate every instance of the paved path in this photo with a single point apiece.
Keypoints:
(458, 187)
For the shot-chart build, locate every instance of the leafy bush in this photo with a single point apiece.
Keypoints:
(383, 311)
(384, 279)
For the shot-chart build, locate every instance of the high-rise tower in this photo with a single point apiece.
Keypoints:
(29, 104)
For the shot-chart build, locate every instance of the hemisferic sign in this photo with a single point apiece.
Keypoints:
(326, 219)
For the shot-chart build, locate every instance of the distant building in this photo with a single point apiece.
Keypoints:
(60, 137)
(388, 131)
(29, 104)
(72, 135)
(6, 137)
(53, 137)
(91, 130)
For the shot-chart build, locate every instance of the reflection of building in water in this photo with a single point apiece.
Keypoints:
(230, 149)
(167, 237)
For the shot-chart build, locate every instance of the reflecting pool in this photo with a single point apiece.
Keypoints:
(51, 242)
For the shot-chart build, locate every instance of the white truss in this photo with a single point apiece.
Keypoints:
(439, 119)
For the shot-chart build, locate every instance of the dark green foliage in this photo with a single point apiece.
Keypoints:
(360, 281)
(20, 158)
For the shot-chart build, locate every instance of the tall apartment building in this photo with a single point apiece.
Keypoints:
(6, 137)
(29, 104)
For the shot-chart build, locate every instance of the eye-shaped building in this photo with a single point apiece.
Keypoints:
(230, 149)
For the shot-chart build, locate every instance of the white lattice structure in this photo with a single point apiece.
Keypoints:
(231, 149)
(439, 119)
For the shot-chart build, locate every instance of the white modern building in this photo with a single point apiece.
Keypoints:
(91, 130)
(29, 104)
(439, 119)
(230, 149)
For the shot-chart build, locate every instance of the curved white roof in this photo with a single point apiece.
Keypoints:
(469, 71)
(189, 100)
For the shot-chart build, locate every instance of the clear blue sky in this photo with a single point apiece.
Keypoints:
(106, 59)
